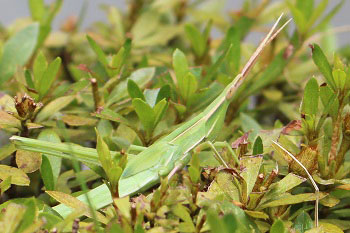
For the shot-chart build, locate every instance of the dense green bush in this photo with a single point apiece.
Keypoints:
(124, 85)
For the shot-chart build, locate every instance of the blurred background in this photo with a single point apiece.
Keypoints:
(14, 9)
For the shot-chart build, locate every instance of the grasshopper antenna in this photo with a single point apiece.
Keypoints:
(268, 38)
(317, 190)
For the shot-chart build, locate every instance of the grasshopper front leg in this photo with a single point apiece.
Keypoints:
(213, 147)
(180, 164)
(208, 144)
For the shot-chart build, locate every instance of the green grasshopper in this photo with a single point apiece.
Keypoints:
(171, 153)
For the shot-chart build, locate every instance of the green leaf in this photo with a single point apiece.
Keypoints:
(74, 120)
(141, 77)
(194, 174)
(232, 39)
(17, 50)
(101, 56)
(44, 31)
(12, 217)
(250, 174)
(139, 229)
(39, 67)
(164, 93)
(299, 18)
(311, 95)
(118, 60)
(278, 227)
(323, 65)
(37, 9)
(234, 220)
(206, 32)
(287, 183)
(306, 7)
(256, 214)
(225, 56)
(188, 87)
(249, 123)
(337, 62)
(29, 216)
(303, 222)
(108, 114)
(198, 41)
(51, 166)
(51, 219)
(134, 90)
(5, 185)
(116, 228)
(317, 12)
(325, 228)
(6, 150)
(288, 199)
(151, 96)
(258, 147)
(325, 20)
(47, 174)
(48, 77)
(8, 121)
(159, 110)
(216, 225)
(145, 114)
(29, 79)
(53, 107)
(76, 204)
(104, 154)
(182, 212)
(123, 204)
(114, 176)
(326, 96)
(194, 170)
(180, 66)
(339, 78)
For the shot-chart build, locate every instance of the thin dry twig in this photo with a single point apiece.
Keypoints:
(317, 190)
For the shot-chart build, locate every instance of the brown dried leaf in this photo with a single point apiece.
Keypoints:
(292, 126)
(241, 140)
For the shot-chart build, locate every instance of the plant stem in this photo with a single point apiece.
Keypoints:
(96, 95)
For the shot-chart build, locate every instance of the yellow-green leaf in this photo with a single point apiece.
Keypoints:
(28, 161)
(17, 50)
(18, 177)
(53, 107)
(74, 120)
(75, 204)
(12, 217)
(8, 121)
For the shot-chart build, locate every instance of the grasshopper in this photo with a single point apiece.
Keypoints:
(171, 153)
